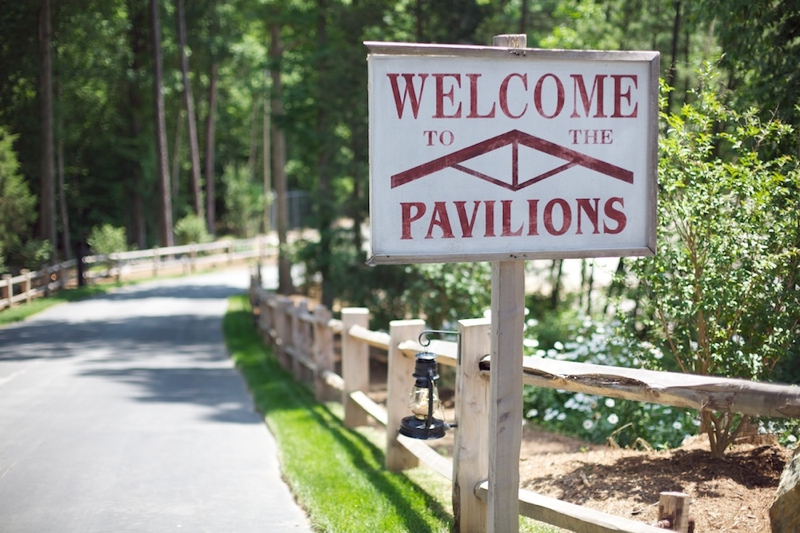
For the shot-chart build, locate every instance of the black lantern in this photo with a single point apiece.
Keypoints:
(427, 421)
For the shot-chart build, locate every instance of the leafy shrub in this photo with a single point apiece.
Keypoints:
(191, 229)
(33, 254)
(107, 239)
(17, 204)
(720, 296)
(244, 202)
(595, 418)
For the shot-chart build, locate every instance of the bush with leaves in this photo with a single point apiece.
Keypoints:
(439, 293)
(566, 335)
(107, 239)
(721, 295)
(191, 229)
(244, 202)
(17, 204)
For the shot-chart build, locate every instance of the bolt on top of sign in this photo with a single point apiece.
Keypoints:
(486, 153)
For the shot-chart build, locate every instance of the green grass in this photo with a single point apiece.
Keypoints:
(37, 305)
(336, 473)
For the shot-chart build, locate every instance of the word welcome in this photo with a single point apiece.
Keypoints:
(467, 96)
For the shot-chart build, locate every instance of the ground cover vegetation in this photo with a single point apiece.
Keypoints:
(170, 121)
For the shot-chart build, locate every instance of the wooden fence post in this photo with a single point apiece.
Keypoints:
(299, 339)
(674, 508)
(156, 261)
(505, 405)
(283, 307)
(355, 365)
(7, 290)
(26, 284)
(230, 253)
(193, 257)
(471, 448)
(399, 384)
(323, 353)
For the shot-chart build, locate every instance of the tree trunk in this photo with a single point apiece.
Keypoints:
(176, 157)
(166, 237)
(188, 100)
(523, 19)
(66, 241)
(285, 284)
(267, 139)
(47, 197)
(676, 28)
(325, 208)
(138, 43)
(211, 129)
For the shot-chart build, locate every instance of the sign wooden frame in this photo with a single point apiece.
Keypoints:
(590, 123)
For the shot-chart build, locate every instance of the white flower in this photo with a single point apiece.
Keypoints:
(791, 438)
(558, 345)
(610, 402)
(561, 416)
(677, 426)
(532, 413)
(587, 424)
(613, 419)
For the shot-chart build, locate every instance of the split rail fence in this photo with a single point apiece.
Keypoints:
(126, 265)
(304, 336)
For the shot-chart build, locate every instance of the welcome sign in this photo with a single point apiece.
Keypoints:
(485, 153)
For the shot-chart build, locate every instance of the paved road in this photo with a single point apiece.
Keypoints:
(123, 413)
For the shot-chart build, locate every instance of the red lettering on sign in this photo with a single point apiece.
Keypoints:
(473, 99)
(579, 88)
(441, 95)
(504, 94)
(619, 95)
(467, 225)
(409, 94)
(585, 206)
(489, 218)
(566, 216)
(616, 215)
(533, 217)
(507, 220)
(440, 219)
(407, 218)
(537, 96)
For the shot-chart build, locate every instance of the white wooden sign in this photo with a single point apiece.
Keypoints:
(483, 153)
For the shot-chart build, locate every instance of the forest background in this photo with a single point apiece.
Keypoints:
(130, 123)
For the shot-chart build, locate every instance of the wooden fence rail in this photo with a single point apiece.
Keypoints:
(125, 265)
(304, 340)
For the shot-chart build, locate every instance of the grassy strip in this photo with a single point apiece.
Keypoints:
(37, 305)
(336, 474)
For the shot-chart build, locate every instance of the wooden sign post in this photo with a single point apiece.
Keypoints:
(503, 154)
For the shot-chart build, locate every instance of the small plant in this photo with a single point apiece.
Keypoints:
(107, 239)
(191, 229)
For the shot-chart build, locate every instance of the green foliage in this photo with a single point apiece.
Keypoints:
(244, 202)
(439, 293)
(33, 254)
(568, 336)
(107, 239)
(17, 204)
(721, 295)
(191, 229)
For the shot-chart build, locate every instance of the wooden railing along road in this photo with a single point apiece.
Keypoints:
(126, 265)
(304, 338)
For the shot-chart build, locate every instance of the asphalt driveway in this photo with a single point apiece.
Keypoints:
(124, 413)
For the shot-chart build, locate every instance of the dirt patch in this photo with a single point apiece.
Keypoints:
(728, 495)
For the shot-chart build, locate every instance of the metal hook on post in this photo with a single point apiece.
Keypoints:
(425, 340)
